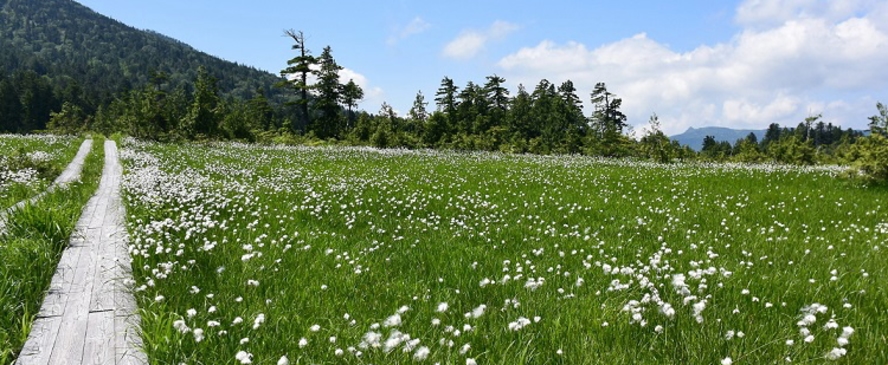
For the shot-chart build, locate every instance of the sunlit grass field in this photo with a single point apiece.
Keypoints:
(266, 255)
(29, 163)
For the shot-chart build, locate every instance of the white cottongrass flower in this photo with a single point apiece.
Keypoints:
(392, 321)
(244, 357)
(477, 312)
(809, 339)
(442, 307)
(252, 282)
(727, 361)
(191, 312)
(260, 318)
(518, 324)
(396, 338)
(667, 310)
(410, 345)
(465, 348)
(403, 309)
(421, 353)
(198, 335)
(471, 361)
(180, 326)
(237, 320)
(315, 328)
(534, 284)
(371, 339)
(283, 361)
(836, 353)
(698, 309)
(303, 342)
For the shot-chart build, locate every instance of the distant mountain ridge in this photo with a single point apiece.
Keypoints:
(66, 41)
(693, 137)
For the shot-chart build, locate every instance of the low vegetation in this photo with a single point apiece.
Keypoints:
(305, 255)
(28, 164)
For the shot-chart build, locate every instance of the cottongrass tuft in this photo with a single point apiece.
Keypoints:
(421, 353)
(244, 357)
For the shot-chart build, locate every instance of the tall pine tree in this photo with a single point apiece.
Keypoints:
(328, 96)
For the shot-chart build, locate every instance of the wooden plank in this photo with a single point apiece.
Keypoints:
(61, 284)
(73, 170)
(98, 347)
(37, 352)
(128, 342)
(69, 345)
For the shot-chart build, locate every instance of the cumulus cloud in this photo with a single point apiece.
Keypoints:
(373, 95)
(806, 60)
(416, 26)
(471, 42)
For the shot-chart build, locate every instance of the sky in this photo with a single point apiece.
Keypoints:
(739, 64)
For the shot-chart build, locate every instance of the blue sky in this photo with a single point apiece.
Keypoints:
(741, 64)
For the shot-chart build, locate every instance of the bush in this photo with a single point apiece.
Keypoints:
(870, 156)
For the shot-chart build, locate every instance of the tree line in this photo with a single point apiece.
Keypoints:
(320, 108)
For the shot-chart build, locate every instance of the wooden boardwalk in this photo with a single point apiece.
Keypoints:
(69, 175)
(89, 314)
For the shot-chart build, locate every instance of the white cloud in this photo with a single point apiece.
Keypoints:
(373, 95)
(810, 60)
(416, 26)
(775, 12)
(471, 42)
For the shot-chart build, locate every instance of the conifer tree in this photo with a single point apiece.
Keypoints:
(351, 95)
(328, 96)
(297, 77)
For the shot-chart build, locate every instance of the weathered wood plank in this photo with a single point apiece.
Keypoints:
(69, 345)
(100, 338)
(129, 343)
(73, 170)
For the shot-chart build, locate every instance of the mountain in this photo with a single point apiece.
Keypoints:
(68, 43)
(693, 137)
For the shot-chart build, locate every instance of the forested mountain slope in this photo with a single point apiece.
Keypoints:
(99, 57)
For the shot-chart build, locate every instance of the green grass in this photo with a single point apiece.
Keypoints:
(344, 238)
(29, 163)
(35, 238)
